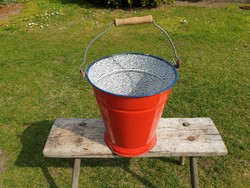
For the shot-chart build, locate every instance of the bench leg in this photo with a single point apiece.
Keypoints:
(182, 161)
(76, 173)
(194, 172)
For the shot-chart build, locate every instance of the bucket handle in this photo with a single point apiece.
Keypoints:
(132, 21)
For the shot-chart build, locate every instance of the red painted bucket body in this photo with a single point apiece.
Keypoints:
(131, 91)
(131, 122)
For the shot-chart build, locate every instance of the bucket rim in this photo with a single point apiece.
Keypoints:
(132, 96)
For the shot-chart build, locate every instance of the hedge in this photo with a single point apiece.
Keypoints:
(131, 3)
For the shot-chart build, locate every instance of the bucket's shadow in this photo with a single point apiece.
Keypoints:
(33, 140)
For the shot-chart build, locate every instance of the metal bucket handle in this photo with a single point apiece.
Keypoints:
(132, 21)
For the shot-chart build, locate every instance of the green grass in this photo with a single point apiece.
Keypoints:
(5, 2)
(39, 82)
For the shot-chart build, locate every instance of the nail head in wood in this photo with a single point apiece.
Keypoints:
(82, 124)
(186, 124)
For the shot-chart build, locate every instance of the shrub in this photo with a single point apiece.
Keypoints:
(132, 3)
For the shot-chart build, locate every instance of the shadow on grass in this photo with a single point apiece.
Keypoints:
(33, 141)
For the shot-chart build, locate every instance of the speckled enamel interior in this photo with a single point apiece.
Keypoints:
(131, 74)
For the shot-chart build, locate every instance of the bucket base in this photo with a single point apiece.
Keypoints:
(129, 152)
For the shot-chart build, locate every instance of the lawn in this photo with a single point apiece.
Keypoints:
(41, 49)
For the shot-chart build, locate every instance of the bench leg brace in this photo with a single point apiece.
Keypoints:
(194, 172)
(76, 173)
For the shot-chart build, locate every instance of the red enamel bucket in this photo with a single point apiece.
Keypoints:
(131, 90)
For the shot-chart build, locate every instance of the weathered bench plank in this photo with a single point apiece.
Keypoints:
(83, 138)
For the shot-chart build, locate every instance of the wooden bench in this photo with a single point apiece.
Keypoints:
(184, 137)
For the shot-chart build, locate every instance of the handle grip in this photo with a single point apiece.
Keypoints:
(134, 20)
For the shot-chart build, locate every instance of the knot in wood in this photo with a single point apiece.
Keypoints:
(78, 140)
(191, 138)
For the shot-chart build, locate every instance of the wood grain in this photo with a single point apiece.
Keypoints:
(84, 138)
